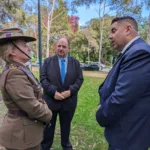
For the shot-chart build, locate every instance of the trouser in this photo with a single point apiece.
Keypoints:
(114, 148)
(65, 118)
(32, 148)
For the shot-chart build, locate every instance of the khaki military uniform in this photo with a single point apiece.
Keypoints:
(23, 124)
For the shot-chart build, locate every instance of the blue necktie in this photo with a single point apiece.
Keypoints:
(63, 73)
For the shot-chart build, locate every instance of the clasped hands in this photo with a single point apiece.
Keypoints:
(62, 95)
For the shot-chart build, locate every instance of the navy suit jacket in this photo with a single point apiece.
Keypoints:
(51, 82)
(125, 99)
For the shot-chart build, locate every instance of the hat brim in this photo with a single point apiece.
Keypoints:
(26, 38)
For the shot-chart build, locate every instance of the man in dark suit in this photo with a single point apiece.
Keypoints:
(124, 109)
(61, 79)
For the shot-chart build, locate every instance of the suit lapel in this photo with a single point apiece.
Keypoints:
(57, 68)
(68, 69)
(135, 42)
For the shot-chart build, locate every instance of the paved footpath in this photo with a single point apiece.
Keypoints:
(95, 74)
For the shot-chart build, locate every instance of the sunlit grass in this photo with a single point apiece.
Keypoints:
(86, 134)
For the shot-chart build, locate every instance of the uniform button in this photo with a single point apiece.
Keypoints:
(35, 121)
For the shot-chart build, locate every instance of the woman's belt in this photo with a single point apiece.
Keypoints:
(18, 113)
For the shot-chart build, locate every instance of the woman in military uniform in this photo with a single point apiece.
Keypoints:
(22, 128)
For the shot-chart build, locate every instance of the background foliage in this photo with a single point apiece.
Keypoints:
(89, 42)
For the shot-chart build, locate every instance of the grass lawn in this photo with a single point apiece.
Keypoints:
(86, 134)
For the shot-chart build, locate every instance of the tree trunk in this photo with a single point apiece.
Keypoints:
(48, 36)
(88, 52)
(50, 16)
(148, 36)
(101, 36)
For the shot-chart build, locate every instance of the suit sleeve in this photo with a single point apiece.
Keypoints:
(21, 91)
(74, 88)
(47, 86)
(131, 84)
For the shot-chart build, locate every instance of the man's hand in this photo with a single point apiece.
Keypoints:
(66, 94)
(58, 96)
(99, 106)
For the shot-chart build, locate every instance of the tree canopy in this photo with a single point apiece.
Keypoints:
(88, 42)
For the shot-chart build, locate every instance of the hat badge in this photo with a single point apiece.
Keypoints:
(8, 34)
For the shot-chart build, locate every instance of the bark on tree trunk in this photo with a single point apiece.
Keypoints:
(50, 17)
(148, 36)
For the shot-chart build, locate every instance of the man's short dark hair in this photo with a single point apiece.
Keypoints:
(127, 19)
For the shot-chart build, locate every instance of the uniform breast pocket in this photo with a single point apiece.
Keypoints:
(33, 131)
